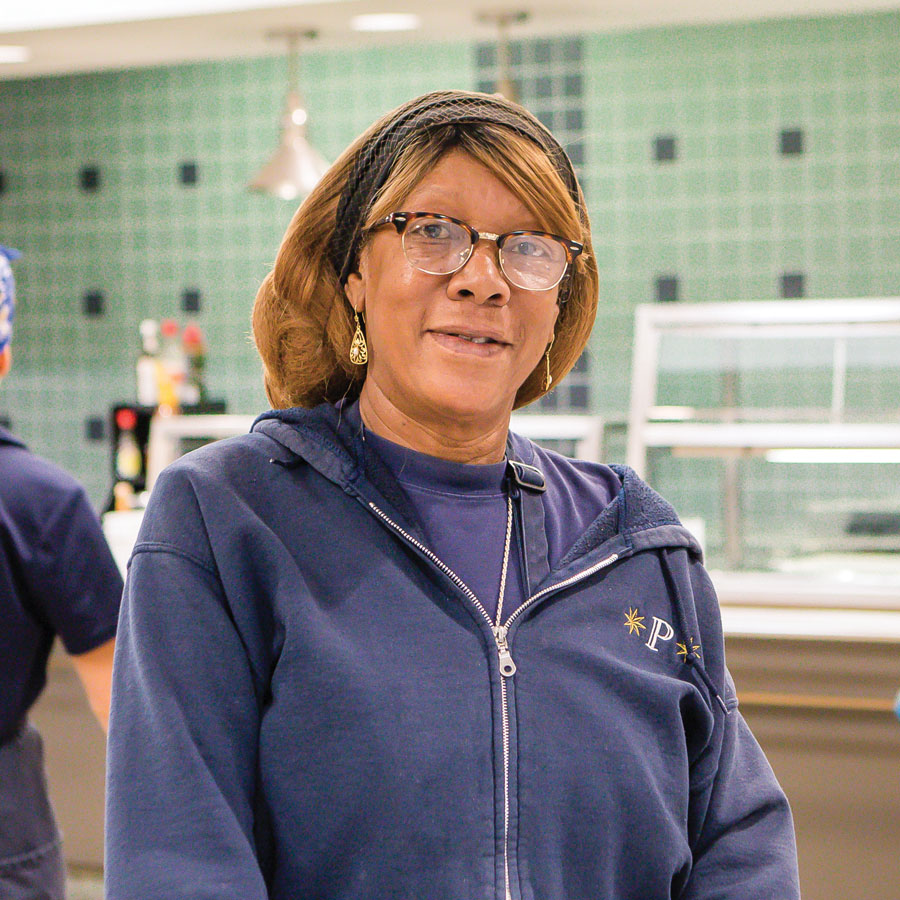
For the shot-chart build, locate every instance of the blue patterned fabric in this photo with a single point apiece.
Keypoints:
(7, 295)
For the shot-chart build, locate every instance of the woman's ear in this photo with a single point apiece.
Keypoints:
(355, 288)
(556, 311)
(5, 360)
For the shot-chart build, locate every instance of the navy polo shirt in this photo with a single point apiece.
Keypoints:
(57, 575)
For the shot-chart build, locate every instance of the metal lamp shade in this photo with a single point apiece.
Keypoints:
(296, 167)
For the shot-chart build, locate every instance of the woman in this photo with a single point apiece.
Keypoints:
(383, 647)
(57, 578)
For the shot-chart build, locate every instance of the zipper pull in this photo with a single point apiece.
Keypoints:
(507, 665)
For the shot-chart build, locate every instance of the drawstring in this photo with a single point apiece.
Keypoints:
(288, 463)
(694, 661)
(692, 656)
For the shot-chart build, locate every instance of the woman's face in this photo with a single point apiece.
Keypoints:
(420, 327)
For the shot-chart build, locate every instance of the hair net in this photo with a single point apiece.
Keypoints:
(7, 295)
(377, 156)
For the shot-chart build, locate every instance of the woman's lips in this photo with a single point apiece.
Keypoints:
(479, 347)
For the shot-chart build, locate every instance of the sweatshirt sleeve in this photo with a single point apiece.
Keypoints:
(742, 832)
(184, 724)
(746, 845)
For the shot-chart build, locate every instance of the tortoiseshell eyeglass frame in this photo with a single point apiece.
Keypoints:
(401, 219)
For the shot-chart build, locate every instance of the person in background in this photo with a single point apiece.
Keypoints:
(382, 646)
(57, 578)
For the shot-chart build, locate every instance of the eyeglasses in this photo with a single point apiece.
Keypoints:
(442, 245)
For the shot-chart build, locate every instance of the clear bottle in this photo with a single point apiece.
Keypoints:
(172, 368)
(148, 364)
(194, 345)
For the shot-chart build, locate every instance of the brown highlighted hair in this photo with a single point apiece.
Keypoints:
(302, 320)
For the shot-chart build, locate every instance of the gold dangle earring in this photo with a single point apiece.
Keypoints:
(359, 350)
(548, 378)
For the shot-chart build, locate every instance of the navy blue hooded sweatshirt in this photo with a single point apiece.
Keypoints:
(308, 705)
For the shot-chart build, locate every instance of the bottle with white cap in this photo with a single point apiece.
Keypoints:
(148, 364)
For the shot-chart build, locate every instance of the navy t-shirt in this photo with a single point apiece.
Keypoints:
(57, 575)
(462, 509)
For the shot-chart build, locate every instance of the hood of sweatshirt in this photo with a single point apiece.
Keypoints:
(637, 520)
(324, 439)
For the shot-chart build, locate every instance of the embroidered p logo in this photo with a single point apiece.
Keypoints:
(661, 631)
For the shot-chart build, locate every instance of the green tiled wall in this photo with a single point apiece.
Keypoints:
(144, 238)
(730, 215)
(727, 218)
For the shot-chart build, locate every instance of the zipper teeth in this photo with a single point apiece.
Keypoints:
(503, 701)
(437, 561)
(505, 708)
(504, 705)
(506, 547)
(571, 580)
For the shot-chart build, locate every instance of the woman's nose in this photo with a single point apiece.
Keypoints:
(481, 279)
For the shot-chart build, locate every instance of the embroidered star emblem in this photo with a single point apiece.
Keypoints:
(683, 651)
(633, 622)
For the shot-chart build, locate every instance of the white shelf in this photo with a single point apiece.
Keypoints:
(768, 436)
(880, 626)
(751, 315)
(802, 591)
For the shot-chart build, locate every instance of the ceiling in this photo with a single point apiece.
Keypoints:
(239, 31)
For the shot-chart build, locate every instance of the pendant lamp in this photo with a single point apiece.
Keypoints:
(503, 19)
(296, 166)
